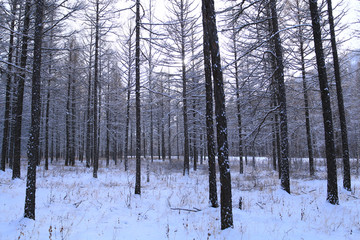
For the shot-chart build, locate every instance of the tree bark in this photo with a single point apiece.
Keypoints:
(20, 93)
(279, 76)
(184, 95)
(209, 113)
(5, 142)
(332, 191)
(137, 101)
(33, 145)
(306, 104)
(127, 121)
(95, 91)
(340, 98)
(238, 101)
(220, 113)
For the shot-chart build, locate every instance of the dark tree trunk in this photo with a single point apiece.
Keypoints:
(67, 117)
(52, 146)
(20, 93)
(238, 101)
(273, 142)
(127, 121)
(47, 123)
(107, 148)
(137, 101)
(277, 134)
(163, 149)
(169, 125)
(195, 147)
(5, 142)
(220, 113)
(150, 86)
(279, 76)
(73, 111)
(340, 98)
(57, 143)
(82, 139)
(209, 113)
(115, 147)
(332, 191)
(88, 109)
(177, 140)
(306, 103)
(48, 103)
(184, 95)
(33, 145)
(14, 92)
(95, 91)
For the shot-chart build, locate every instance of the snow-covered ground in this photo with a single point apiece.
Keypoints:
(70, 204)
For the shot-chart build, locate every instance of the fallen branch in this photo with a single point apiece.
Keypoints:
(259, 205)
(77, 204)
(189, 210)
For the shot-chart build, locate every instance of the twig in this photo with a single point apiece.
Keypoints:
(259, 205)
(189, 210)
(78, 204)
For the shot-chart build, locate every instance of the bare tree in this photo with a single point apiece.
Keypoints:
(33, 144)
(220, 113)
(209, 113)
(137, 95)
(332, 191)
(340, 98)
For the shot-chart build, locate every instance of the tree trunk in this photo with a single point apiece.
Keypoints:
(220, 113)
(20, 93)
(340, 98)
(33, 145)
(67, 115)
(238, 103)
(184, 95)
(5, 142)
(95, 91)
(279, 76)
(209, 113)
(306, 103)
(47, 121)
(137, 101)
(150, 85)
(169, 125)
(127, 121)
(332, 191)
(107, 148)
(73, 109)
(88, 109)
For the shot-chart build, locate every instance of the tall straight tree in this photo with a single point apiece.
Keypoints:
(20, 92)
(47, 111)
(340, 98)
(279, 76)
(5, 142)
(151, 68)
(89, 117)
(332, 188)
(220, 113)
(301, 39)
(129, 63)
(137, 101)
(95, 90)
(184, 93)
(33, 145)
(234, 51)
(209, 113)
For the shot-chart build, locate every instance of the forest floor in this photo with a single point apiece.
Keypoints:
(71, 204)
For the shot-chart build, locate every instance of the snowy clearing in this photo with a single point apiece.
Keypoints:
(70, 204)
